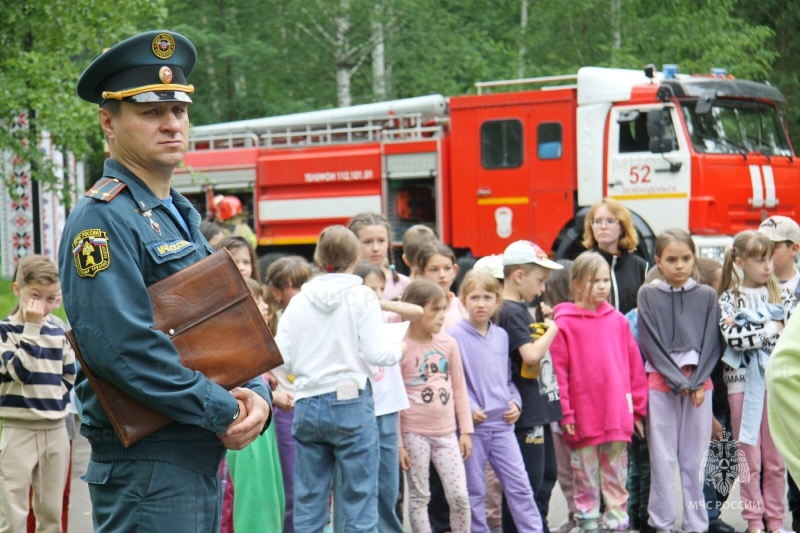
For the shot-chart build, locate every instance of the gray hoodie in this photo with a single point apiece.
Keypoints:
(673, 322)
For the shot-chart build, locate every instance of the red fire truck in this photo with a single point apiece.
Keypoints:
(709, 154)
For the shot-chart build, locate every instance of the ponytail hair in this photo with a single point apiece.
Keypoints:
(746, 245)
(337, 249)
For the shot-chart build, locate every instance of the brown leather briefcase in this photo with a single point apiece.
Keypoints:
(208, 313)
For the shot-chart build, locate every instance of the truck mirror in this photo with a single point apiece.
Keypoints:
(704, 104)
(656, 126)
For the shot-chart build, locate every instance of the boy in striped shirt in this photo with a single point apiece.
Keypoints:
(37, 371)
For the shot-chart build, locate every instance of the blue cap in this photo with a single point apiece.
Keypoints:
(149, 67)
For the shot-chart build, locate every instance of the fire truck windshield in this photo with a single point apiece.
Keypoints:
(737, 127)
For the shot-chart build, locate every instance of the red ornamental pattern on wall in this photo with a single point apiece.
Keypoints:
(17, 216)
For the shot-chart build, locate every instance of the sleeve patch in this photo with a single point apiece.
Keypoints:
(91, 253)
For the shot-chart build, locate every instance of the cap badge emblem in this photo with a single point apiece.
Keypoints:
(165, 75)
(163, 45)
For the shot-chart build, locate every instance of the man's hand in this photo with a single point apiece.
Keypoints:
(512, 415)
(252, 418)
(32, 311)
(478, 416)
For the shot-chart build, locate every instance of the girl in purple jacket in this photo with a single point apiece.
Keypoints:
(603, 393)
(495, 404)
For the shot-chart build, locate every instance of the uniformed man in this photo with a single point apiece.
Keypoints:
(130, 230)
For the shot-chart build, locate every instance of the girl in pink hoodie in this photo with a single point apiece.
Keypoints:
(603, 393)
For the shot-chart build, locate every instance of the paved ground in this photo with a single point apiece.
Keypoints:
(80, 515)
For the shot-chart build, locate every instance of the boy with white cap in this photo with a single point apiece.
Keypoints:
(526, 268)
(785, 233)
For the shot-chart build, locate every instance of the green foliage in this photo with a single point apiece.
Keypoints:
(281, 56)
(44, 47)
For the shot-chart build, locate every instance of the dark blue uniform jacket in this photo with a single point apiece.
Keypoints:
(111, 250)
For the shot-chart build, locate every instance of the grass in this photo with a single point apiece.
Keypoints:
(8, 301)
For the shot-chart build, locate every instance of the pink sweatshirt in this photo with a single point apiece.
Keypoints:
(600, 374)
(437, 390)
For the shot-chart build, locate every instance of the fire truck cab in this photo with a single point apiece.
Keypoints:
(708, 154)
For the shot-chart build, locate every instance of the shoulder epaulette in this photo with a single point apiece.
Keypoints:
(105, 189)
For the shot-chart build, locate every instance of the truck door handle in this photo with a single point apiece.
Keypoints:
(484, 192)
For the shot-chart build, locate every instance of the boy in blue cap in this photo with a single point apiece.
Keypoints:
(130, 230)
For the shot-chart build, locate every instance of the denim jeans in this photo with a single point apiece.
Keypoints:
(388, 474)
(331, 433)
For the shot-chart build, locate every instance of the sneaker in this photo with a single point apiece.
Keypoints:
(565, 527)
(720, 526)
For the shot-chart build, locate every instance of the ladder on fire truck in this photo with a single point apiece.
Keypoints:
(393, 121)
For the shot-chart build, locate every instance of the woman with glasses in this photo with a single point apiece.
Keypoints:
(608, 229)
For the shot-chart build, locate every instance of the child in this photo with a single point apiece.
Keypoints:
(242, 254)
(493, 264)
(753, 311)
(710, 273)
(329, 335)
(785, 233)
(258, 501)
(415, 239)
(37, 371)
(495, 404)
(284, 278)
(558, 291)
(526, 268)
(603, 393)
(436, 390)
(253, 473)
(680, 341)
(375, 234)
(390, 398)
(437, 262)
